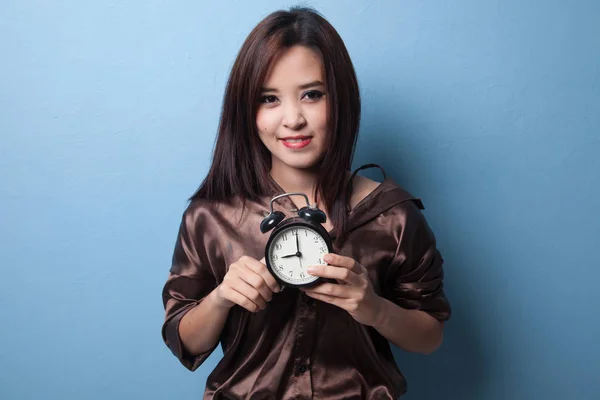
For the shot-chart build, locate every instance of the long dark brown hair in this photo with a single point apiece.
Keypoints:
(241, 163)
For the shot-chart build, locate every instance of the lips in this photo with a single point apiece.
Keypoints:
(296, 142)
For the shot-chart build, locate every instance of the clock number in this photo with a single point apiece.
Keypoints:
(302, 276)
(278, 246)
(295, 232)
(322, 249)
(275, 257)
(316, 239)
(291, 272)
(284, 236)
(320, 261)
(305, 233)
(280, 267)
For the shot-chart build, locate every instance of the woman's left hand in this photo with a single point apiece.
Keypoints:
(353, 292)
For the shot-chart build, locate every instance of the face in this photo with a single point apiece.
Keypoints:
(292, 114)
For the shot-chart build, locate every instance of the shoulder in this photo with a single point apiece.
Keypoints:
(397, 205)
(406, 213)
(365, 184)
(225, 217)
(200, 211)
(381, 196)
(362, 187)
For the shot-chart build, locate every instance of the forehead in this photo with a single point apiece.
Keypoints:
(295, 65)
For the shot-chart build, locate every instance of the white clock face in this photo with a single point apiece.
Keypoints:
(290, 258)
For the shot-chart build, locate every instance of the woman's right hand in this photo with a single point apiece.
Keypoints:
(248, 283)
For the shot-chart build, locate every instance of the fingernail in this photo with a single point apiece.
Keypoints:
(326, 258)
(311, 269)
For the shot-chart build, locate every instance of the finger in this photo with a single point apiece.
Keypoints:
(336, 301)
(261, 269)
(344, 262)
(330, 289)
(257, 283)
(334, 272)
(238, 298)
(249, 292)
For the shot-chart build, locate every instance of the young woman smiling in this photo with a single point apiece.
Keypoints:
(289, 123)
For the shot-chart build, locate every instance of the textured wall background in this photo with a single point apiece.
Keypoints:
(488, 110)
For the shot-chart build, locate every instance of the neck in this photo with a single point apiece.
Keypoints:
(295, 179)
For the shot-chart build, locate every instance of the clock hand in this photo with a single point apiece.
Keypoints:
(298, 254)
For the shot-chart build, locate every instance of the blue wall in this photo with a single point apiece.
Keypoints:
(488, 110)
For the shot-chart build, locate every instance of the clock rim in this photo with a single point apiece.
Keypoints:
(299, 221)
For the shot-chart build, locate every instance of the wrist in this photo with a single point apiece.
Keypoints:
(218, 301)
(381, 312)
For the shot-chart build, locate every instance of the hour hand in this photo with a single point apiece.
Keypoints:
(289, 255)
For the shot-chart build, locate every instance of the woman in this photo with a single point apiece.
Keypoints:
(289, 124)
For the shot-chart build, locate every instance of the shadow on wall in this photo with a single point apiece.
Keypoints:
(460, 368)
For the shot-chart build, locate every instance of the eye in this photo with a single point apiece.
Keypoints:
(314, 95)
(268, 99)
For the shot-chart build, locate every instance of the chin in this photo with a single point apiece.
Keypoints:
(306, 163)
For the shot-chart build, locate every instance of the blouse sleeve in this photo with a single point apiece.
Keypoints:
(190, 280)
(415, 277)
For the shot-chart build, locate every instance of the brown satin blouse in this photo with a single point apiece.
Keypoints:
(300, 348)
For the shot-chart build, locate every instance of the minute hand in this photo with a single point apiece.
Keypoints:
(298, 251)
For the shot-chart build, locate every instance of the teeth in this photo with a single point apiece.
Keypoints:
(294, 140)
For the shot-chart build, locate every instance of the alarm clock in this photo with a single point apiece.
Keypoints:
(295, 243)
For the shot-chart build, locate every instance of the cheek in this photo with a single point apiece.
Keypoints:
(319, 117)
(264, 122)
(323, 118)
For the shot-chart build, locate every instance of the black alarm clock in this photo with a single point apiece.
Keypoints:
(295, 243)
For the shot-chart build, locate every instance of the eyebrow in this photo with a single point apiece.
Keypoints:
(305, 86)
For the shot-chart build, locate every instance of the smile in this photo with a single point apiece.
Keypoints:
(296, 142)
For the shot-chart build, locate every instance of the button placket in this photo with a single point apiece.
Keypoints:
(304, 345)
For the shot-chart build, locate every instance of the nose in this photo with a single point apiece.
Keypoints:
(293, 117)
